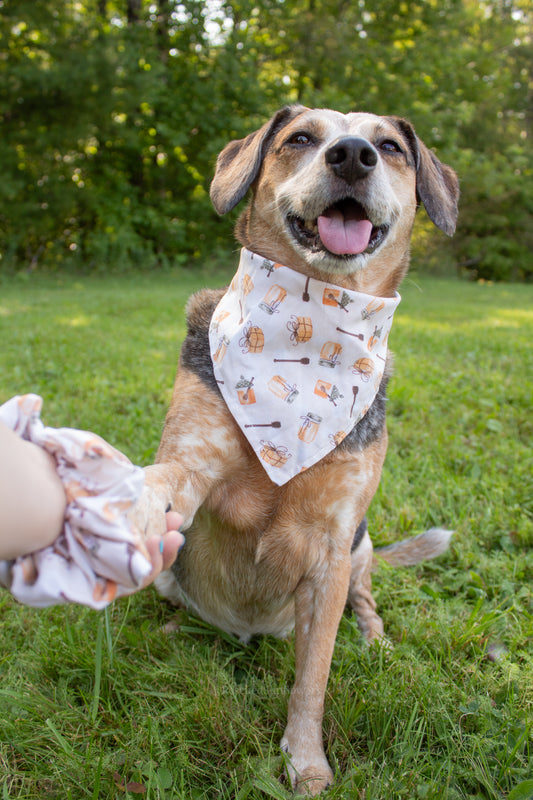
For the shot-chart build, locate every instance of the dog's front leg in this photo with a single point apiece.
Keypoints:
(318, 610)
(199, 447)
(169, 486)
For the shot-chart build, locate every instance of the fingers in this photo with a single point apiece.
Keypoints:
(174, 521)
(172, 541)
(163, 550)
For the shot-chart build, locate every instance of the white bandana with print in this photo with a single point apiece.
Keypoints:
(298, 361)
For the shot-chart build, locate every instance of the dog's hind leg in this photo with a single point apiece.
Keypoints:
(360, 590)
(408, 552)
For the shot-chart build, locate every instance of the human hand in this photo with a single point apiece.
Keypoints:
(163, 550)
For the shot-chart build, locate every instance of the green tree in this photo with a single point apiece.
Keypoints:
(113, 112)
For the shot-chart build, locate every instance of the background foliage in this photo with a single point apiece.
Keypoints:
(113, 112)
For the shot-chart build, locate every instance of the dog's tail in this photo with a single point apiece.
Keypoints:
(429, 544)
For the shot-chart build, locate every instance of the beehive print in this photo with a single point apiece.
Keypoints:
(300, 329)
(276, 456)
(253, 339)
(363, 367)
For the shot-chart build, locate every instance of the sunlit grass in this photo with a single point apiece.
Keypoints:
(104, 705)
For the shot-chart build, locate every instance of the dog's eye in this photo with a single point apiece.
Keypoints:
(390, 146)
(300, 139)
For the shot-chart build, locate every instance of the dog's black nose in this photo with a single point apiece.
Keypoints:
(351, 158)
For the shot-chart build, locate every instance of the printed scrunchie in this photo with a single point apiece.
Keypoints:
(98, 556)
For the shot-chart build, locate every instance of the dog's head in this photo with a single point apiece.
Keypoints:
(334, 194)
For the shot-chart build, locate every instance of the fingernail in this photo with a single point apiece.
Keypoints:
(161, 545)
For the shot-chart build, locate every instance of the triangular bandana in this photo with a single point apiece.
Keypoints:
(298, 361)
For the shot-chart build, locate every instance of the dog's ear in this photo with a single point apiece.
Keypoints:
(239, 162)
(437, 186)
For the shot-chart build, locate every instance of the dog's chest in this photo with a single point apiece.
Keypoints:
(251, 539)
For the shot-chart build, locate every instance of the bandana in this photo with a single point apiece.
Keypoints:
(298, 361)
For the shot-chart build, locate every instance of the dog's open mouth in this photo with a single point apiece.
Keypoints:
(343, 229)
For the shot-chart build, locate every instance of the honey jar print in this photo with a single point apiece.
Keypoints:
(282, 388)
(276, 456)
(245, 391)
(217, 319)
(247, 284)
(364, 367)
(309, 427)
(330, 354)
(253, 339)
(221, 350)
(300, 328)
(273, 299)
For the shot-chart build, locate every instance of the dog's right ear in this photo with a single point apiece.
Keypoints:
(239, 162)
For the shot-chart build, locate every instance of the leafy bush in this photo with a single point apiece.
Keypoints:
(113, 114)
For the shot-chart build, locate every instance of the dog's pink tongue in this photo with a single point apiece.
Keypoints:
(343, 236)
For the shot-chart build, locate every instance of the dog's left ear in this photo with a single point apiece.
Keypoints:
(239, 162)
(437, 186)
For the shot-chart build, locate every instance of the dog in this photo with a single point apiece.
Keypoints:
(332, 206)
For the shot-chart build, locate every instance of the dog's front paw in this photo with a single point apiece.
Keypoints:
(308, 772)
(148, 514)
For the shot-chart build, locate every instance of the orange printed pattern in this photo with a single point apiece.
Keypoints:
(298, 359)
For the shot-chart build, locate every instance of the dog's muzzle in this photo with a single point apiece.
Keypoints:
(344, 228)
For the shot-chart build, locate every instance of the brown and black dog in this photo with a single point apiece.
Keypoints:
(261, 558)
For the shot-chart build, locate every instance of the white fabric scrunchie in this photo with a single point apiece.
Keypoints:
(98, 556)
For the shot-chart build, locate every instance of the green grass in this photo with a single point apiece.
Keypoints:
(100, 706)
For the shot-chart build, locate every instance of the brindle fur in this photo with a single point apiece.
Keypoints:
(261, 558)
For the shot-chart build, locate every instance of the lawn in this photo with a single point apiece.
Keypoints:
(139, 701)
